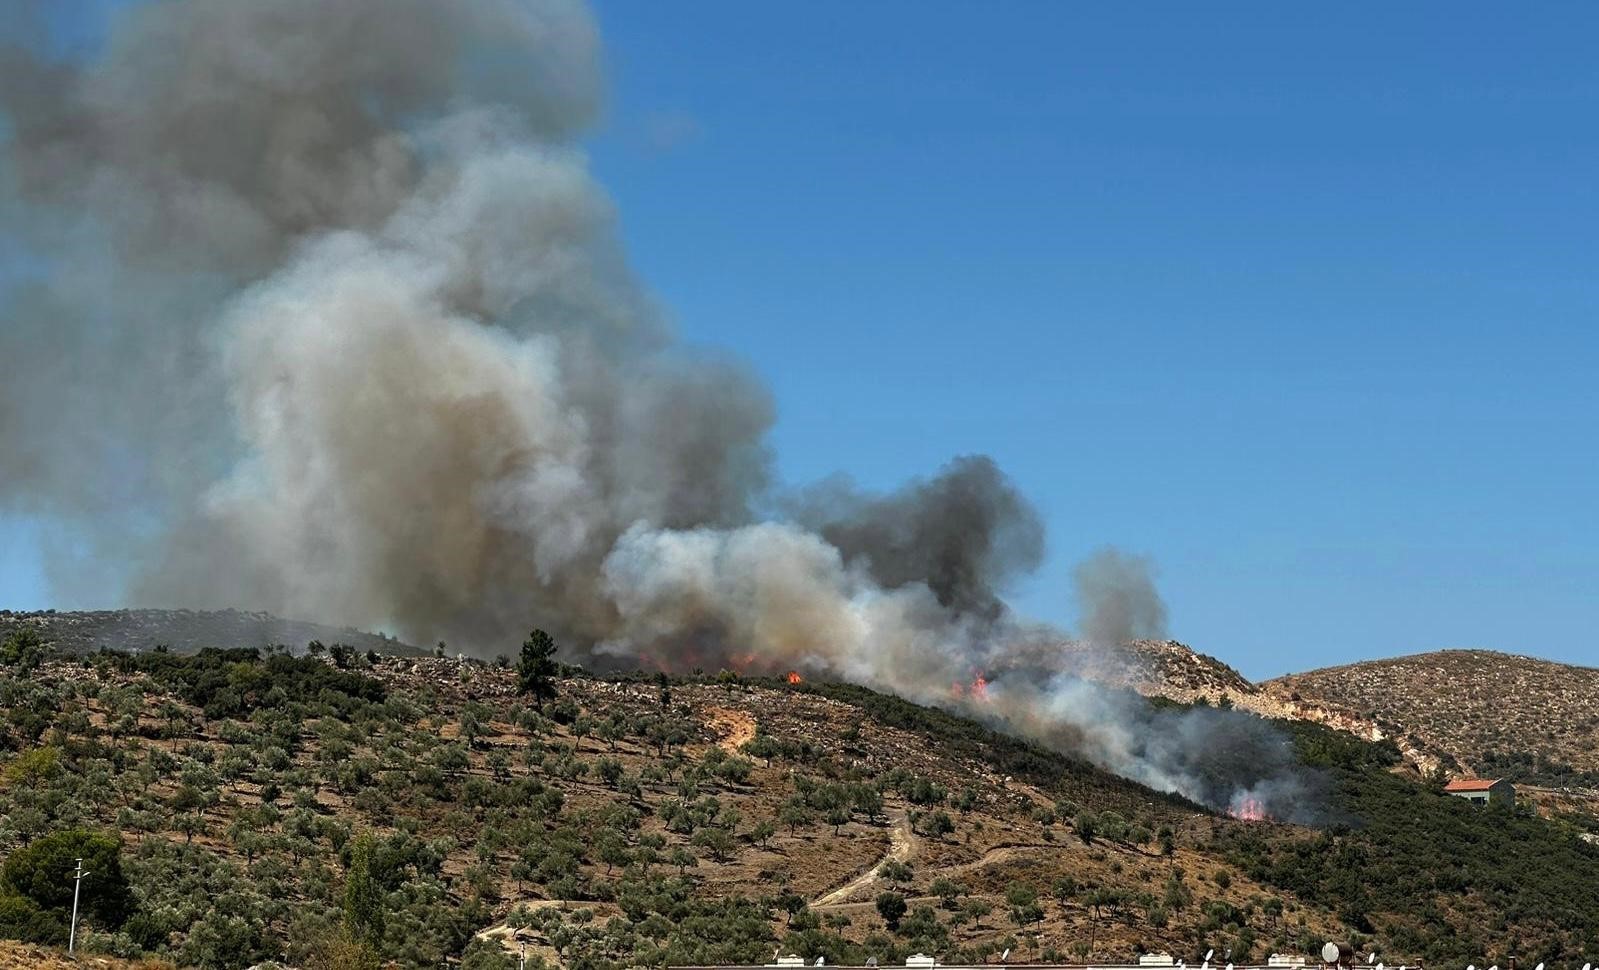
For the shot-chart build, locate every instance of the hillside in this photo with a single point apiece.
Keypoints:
(80, 632)
(1484, 713)
(485, 804)
(25, 956)
(1453, 712)
(1154, 668)
(1441, 709)
(1163, 668)
(260, 801)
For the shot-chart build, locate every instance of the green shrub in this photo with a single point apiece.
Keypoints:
(24, 649)
(40, 872)
(235, 682)
(22, 919)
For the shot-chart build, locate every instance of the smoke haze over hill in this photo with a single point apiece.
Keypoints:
(330, 319)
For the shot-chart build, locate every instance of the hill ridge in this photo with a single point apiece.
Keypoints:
(1518, 747)
(1420, 654)
(1474, 710)
(144, 628)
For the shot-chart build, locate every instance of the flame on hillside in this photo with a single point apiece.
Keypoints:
(1247, 808)
(977, 690)
(794, 677)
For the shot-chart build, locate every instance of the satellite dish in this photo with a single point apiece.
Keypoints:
(1538, 967)
(1229, 966)
(819, 961)
(1371, 958)
(1003, 956)
(1209, 954)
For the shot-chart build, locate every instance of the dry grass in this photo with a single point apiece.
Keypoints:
(23, 956)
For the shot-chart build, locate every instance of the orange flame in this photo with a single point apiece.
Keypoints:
(794, 677)
(980, 688)
(1249, 809)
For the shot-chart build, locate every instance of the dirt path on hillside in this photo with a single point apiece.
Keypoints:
(839, 898)
(999, 853)
(736, 728)
(901, 846)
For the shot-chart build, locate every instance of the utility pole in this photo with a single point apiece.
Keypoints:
(77, 883)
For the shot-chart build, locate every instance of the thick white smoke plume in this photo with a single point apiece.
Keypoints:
(322, 313)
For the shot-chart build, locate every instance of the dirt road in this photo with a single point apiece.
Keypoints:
(901, 847)
(840, 897)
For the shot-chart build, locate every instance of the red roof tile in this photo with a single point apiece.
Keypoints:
(1471, 784)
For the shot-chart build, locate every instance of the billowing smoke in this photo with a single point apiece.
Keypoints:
(964, 534)
(1219, 757)
(1224, 758)
(321, 312)
(1118, 600)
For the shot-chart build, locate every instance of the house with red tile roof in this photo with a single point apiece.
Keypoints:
(1483, 790)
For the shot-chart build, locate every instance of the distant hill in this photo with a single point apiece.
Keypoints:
(1177, 672)
(1481, 712)
(187, 630)
(1470, 712)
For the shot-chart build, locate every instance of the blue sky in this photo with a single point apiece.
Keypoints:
(1298, 301)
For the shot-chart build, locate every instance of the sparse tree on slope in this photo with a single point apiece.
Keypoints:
(536, 670)
(363, 897)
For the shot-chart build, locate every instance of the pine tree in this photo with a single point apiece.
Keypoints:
(536, 670)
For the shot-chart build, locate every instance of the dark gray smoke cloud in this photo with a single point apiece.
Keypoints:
(322, 313)
(964, 533)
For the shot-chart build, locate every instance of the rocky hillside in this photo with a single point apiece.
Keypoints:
(1439, 709)
(1155, 668)
(244, 807)
(238, 785)
(1456, 711)
(1480, 712)
(24, 956)
(1176, 672)
(1445, 711)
